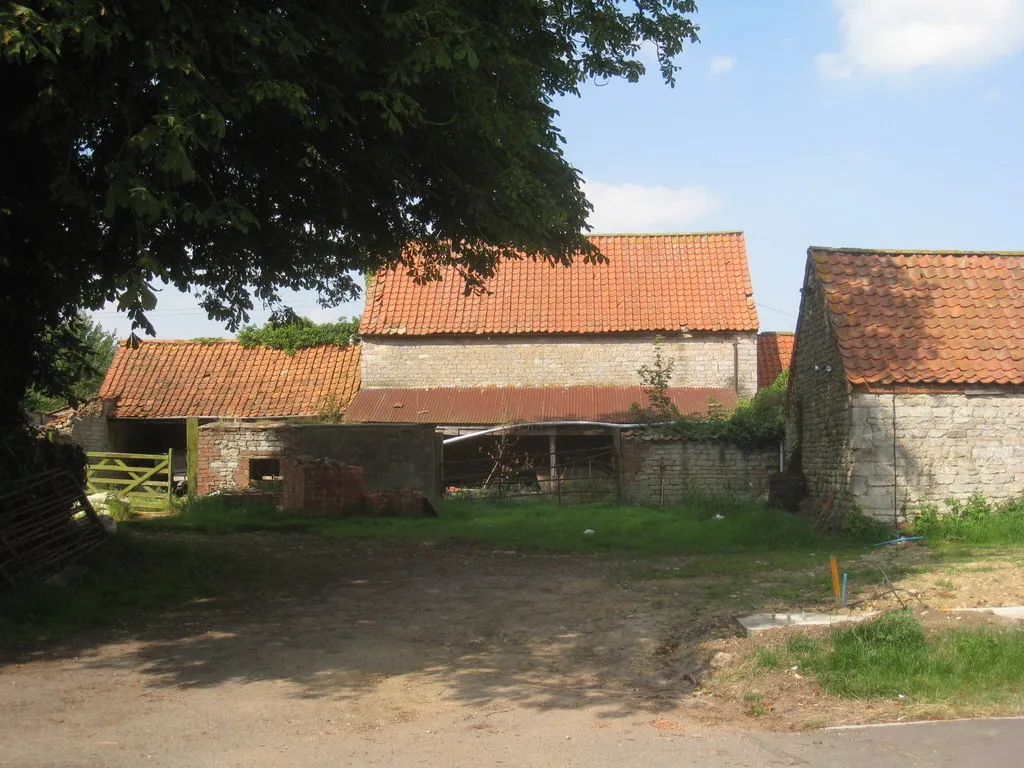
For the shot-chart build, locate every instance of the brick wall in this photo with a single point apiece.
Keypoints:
(946, 446)
(702, 360)
(818, 412)
(656, 471)
(321, 487)
(392, 456)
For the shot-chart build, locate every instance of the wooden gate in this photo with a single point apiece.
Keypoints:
(147, 479)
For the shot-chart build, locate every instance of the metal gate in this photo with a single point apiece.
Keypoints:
(504, 471)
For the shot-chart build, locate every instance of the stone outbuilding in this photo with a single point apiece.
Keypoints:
(907, 381)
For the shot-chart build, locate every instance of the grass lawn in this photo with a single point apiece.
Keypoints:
(702, 525)
(125, 579)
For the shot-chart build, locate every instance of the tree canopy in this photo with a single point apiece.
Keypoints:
(83, 352)
(236, 148)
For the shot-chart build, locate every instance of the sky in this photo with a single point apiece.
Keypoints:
(890, 124)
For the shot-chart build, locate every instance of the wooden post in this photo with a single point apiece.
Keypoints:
(170, 476)
(192, 450)
(617, 460)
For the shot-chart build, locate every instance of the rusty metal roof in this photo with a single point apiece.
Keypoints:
(478, 406)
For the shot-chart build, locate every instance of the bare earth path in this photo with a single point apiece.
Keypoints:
(366, 654)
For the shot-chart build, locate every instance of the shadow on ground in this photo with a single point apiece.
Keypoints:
(343, 620)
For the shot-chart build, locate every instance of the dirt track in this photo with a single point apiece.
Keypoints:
(355, 639)
(365, 641)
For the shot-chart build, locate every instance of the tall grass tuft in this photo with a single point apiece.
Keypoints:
(975, 521)
(892, 656)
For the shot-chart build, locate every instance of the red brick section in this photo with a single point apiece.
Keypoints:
(175, 379)
(513, 405)
(774, 353)
(699, 282)
(321, 487)
(399, 503)
(925, 318)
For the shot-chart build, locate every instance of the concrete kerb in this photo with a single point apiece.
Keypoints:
(756, 623)
(1006, 611)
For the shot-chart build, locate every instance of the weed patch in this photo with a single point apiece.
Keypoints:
(975, 521)
(893, 656)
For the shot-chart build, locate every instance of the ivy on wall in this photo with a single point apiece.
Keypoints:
(757, 422)
(292, 333)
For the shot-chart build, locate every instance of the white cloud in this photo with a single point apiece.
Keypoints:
(893, 37)
(719, 65)
(636, 208)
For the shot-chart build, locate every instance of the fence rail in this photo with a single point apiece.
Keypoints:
(45, 523)
(147, 482)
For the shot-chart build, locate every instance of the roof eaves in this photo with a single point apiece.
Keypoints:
(907, 252)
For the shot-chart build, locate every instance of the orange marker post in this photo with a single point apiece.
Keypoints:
(836, 589)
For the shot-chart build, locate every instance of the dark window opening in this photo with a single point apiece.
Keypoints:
(265, 475)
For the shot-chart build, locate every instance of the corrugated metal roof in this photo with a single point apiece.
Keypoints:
(700, 282)
(478, 406)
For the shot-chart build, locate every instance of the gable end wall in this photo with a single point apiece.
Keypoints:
(818, 411)
(701, 360)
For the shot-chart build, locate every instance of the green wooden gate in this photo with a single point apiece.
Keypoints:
(146, 479)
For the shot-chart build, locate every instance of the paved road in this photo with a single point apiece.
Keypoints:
(546, 740)
(988, 743)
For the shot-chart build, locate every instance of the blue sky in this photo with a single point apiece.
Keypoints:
(867, 123)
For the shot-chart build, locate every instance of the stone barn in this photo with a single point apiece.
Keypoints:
(558, 349)
(907, 380)
(587, 325)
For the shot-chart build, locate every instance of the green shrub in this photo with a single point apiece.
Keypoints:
(976, 521)
(756, 423)
(861, 527)
(291, 333)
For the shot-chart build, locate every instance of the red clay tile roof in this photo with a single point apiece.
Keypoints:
(774, 353)
(925, 318)
(479, 406)
(651, 283)
(165, 379)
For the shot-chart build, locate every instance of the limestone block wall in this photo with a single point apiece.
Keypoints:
(89, 430)
(701, 360)
(818, 413)
(225, 448)
(947, 445)
(663, 471)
